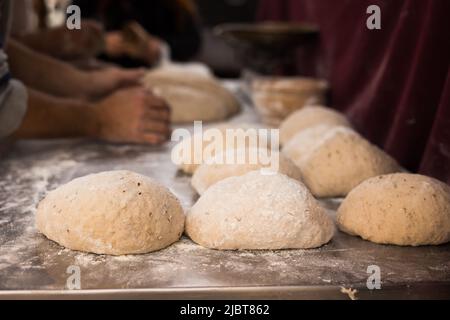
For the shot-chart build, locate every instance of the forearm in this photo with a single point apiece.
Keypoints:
(45, 73)
(43, 41)
(51, 117)
(66, 44)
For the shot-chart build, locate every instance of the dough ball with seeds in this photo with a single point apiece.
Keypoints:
(189, 154)
(243, 160)
(116, 213)
(308, 117)
(257, 211)
(401, 209)
(336, 160)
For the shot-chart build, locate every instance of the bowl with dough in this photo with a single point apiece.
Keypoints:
(276, 98)
(114, 212)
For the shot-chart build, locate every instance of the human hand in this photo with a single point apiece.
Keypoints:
(152, 50)
(133, 115)
(103, 82)
(114, 44)
(148, 51)
(87, 42)
(135, 42)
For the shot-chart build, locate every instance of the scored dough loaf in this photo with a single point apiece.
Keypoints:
(115, 212)
(192, 97)
(400, 209)
(256, 211)
(209, 174)
(188, 163)
(308, 117)
(337, 160)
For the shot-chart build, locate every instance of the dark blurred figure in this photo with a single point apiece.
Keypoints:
(217, 53)
(172, 21)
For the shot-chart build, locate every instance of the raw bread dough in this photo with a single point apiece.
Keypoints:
(195, 68)
(116, 213)
(209, 174)
(198, 144)
(337, 160)
(303, 143)
(192, 97)
(309, 117)
(256, 211)
(401, 209)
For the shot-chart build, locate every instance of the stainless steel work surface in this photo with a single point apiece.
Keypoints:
(33, 267)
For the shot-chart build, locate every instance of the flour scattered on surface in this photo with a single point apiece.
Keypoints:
(30, 261)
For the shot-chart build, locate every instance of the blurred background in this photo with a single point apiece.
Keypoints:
(186, 25)
(393, 83)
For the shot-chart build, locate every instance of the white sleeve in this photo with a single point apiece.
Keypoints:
(13, 99)
(13, 105)
(13, 94)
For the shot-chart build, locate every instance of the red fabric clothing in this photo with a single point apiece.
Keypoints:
(393, 83)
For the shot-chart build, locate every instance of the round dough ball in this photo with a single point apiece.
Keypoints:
(304, 142)
(254, 159)
(116, 213)
(191, 68)
(192, 97)
(336, 162)
(256, 211)
(197, 144)
(308, 117)
(188, 105)
(401, 209)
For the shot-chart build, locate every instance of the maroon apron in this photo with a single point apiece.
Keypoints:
(393, 83)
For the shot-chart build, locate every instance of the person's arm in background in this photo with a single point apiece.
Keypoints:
(29, 26)
(65, 44)
(49, 75)
(130, 115)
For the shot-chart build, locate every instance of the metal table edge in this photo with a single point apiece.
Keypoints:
(406, 291)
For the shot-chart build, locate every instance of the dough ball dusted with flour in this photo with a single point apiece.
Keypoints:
(252, 159)
(189, 153)
(116, 213)
(335, 160)
(305, 142)
(308, 117)
(192, 97)
(256, 211)
(401, 209)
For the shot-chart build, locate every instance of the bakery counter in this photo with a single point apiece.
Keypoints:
(33, 267)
